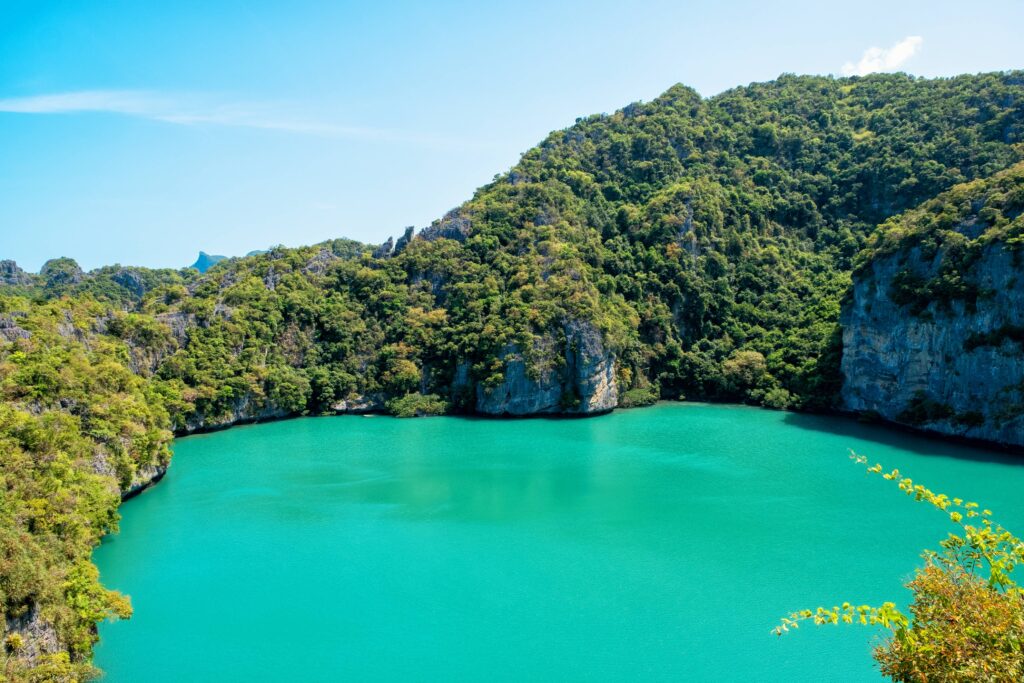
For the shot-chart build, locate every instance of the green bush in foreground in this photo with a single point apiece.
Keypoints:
(966, 620)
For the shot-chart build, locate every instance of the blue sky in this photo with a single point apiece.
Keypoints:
(142, 132)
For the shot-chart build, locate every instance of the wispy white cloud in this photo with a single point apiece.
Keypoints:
(884, 59)
(192, 110)
(137, 103)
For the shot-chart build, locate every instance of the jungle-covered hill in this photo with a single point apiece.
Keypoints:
(689, 246)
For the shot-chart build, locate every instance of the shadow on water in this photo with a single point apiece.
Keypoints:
(887, 434)
(907, 439)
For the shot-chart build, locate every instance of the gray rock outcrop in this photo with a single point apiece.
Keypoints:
(454, 225)
(131, 279)
(385, 250)
(61, 272)
(12, 274)
(956, 370)
(10, 330)
(243, 410)
(321, 262)
(36, 635)
(359, 405)
(145, 477)
(404, 240)
(574, 375)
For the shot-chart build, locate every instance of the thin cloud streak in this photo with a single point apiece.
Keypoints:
(877, 59)
(195, 111)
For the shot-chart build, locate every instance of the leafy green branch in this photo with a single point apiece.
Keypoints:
(966, 620)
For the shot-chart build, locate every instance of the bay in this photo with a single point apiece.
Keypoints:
(654, 544)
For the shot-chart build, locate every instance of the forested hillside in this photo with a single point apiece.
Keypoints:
(729, 225)
(77, 428)
(683, 247)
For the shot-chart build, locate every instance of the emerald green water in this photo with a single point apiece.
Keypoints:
(654, 544)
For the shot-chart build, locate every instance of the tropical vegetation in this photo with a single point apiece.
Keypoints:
(709, 241)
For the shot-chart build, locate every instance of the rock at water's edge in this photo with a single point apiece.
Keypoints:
(359, 405)
(929, 371)
(573, 375)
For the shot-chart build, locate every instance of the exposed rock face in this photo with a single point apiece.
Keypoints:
(244, 410)
(404, 240)
(574, 375)
(61, 272)
(520, 394)
(958, 371)
(38, 636)
(10, 330)
(130, 279)
(11, 274)
(67, 328)
(453, 225)
(178, 323)
(145, 477)
(593, 368)
(272, 279)
(319, 264)
(385, 250)
(359, 405)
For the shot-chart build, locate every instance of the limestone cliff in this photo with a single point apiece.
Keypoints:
(359, 405)
(12, 274)
(454, 225)
(245, 409)
(36, 635)
(572, 373)
(934, 328)
(144, 477)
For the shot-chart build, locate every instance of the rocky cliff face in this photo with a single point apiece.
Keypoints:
(454, 225)
(937, 372)
(35, 635)
(10, 330)
(243, 410)
(359, 405)
(934, 329)
(62, 271)
(574, 374)
(11, 274)
(144, 477)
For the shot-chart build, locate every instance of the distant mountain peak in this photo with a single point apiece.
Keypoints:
(205, 261)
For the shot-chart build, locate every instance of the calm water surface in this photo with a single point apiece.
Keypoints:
(654, 544)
